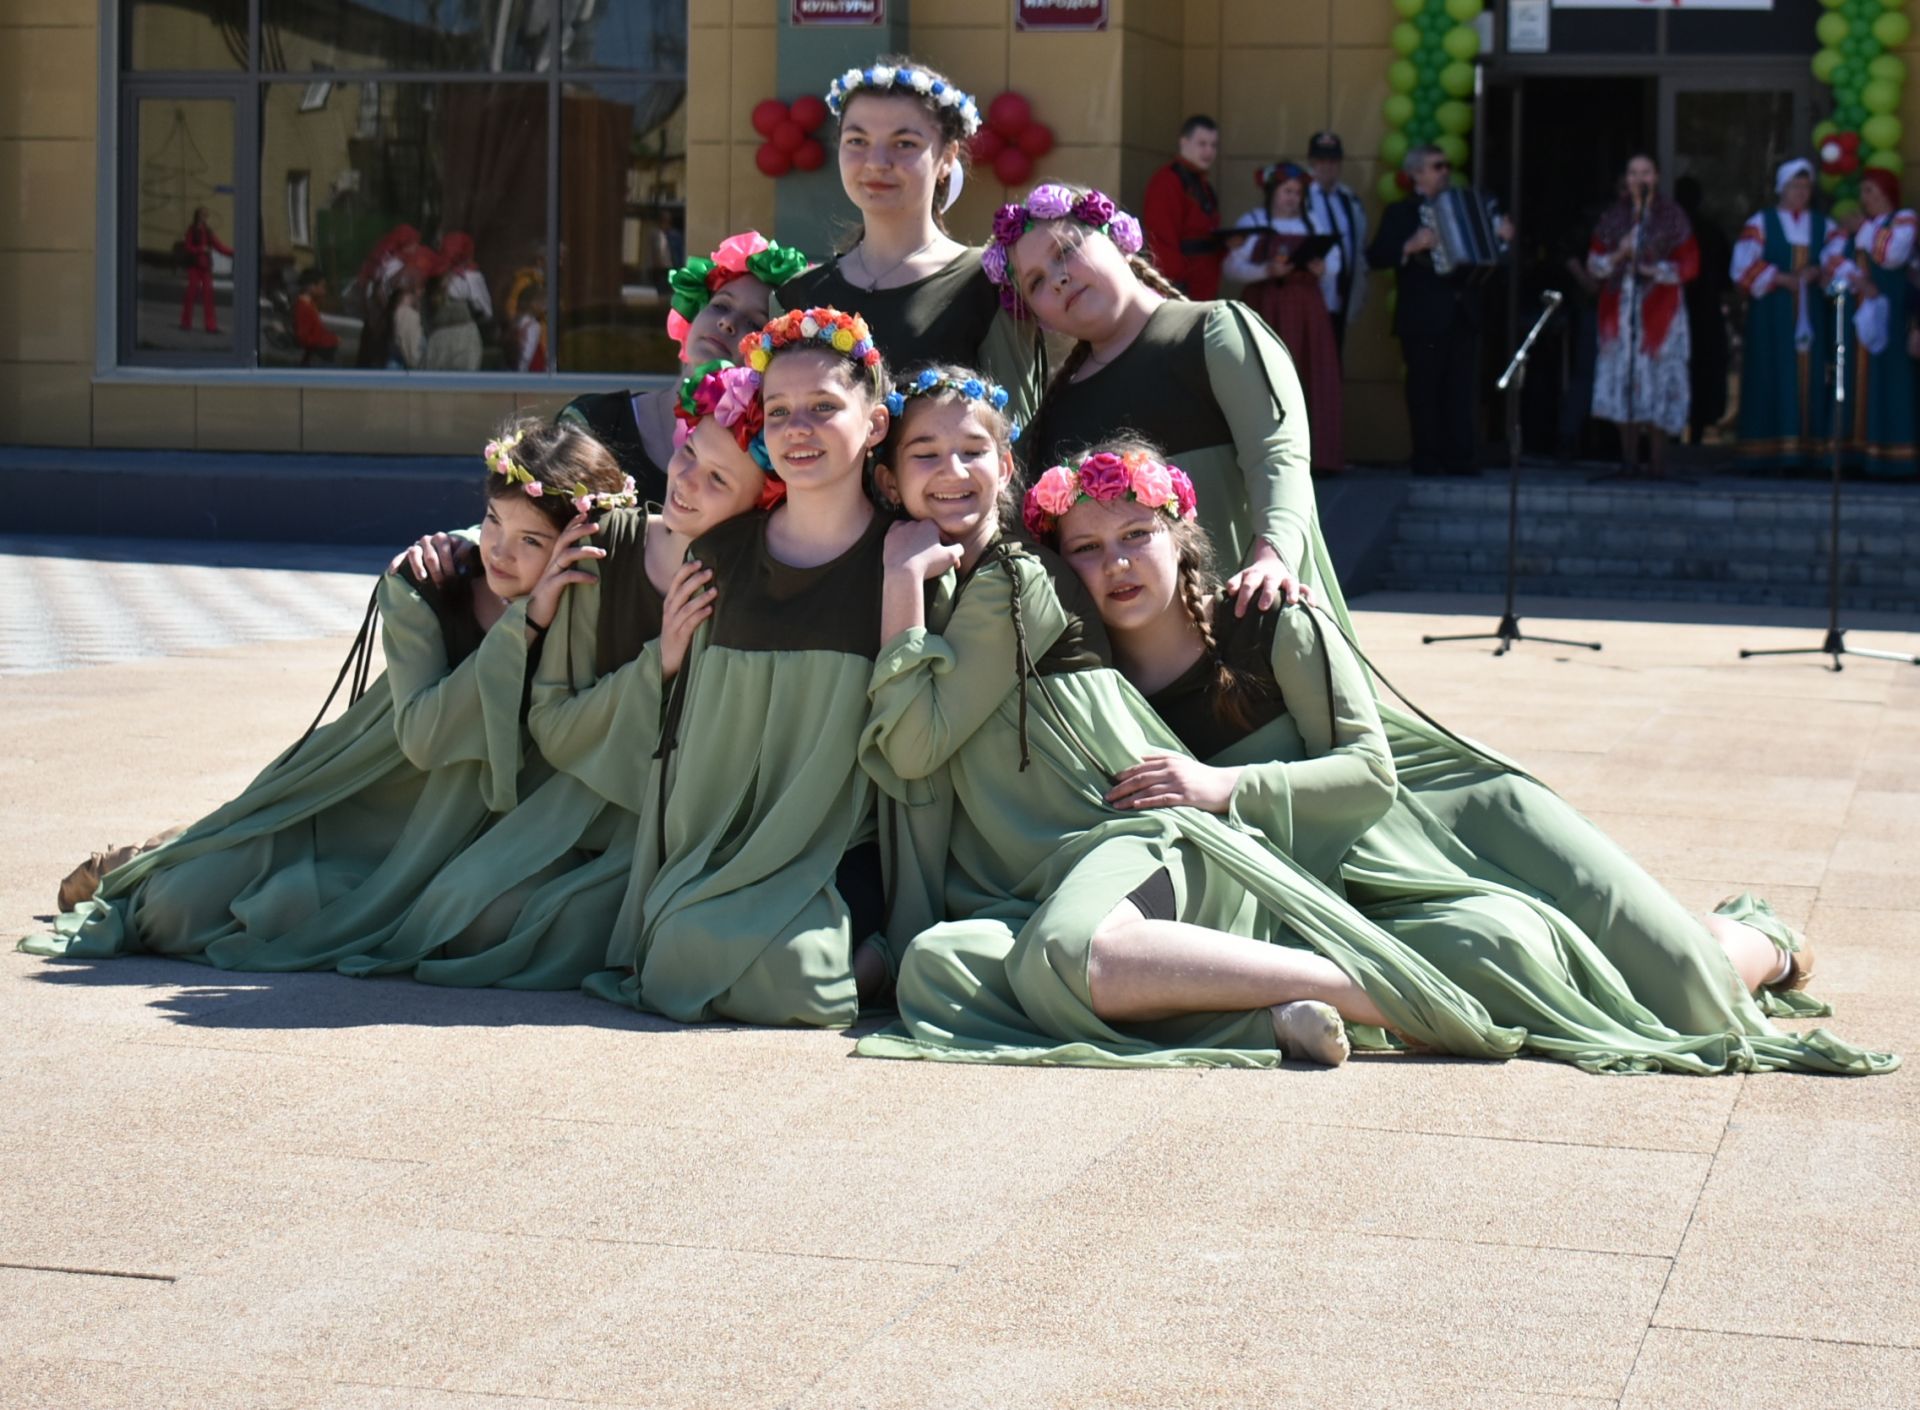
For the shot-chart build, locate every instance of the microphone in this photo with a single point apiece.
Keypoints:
(1553, 298)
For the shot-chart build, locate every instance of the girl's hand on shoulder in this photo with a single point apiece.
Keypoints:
(1173, 781)
(561, 574)
(1266, 580)
(689, 603)
(914, 549)
(434, 558)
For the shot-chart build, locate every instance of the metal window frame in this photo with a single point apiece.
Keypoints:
(121, 90)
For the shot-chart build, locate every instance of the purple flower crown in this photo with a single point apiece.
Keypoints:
(1093, 209)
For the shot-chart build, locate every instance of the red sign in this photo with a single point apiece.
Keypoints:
(1060, 14)
(838, 12)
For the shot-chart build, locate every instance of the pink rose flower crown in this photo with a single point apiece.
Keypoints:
(1105, 478)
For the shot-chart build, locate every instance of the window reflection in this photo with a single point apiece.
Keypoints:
(184, 35)
(623, 175)
(183, 226)
(419, 204)
(624, 34)
(492, 36)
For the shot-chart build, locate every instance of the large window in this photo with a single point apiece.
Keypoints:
(401, 185)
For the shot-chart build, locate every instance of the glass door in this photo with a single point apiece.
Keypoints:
(183, 248)
(1729, 132)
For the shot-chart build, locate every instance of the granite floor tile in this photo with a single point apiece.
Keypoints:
(1684, 1370)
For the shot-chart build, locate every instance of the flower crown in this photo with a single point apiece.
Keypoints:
(729, 394)
(1093, 209)
(881, 78)
(499, 457)
(1273, 173)
(1104, 478)
(844, 333)
(931, 383)
(694, 283)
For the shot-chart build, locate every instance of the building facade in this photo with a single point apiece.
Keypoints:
(543, 162)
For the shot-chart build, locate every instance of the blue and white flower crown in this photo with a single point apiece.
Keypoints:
(930, 383)
(882, 78)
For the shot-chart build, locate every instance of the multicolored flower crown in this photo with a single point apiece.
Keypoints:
(930, 383)
(1104, 478)
(695, 283)
(881, 78)
(499, 457)
(729, 394)
(1093, 209)
(834, 331)
(1273, 173)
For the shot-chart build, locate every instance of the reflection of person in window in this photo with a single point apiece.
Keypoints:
(407, 341)
(530, 333)
(317, 341)
(457, 302)
(395, 256)
(200, 243)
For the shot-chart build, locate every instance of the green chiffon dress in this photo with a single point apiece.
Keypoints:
(326, 850)
(1039, 858)
(755, 874)
(953, 315)
(530, 904)
(1512, 947)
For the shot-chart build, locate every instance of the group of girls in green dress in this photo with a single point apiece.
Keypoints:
(816, 689)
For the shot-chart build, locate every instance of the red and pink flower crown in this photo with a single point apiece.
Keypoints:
(828, 328)
(1105, 478)
(730, 395)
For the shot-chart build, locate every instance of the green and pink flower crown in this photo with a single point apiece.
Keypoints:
(694, 283)
(826, 328)
(499, 457)
(1104, 479)
(1051, 201)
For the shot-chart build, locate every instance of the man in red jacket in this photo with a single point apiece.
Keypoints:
(1181, 212)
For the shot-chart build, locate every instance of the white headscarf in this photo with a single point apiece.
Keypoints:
(1797, 166)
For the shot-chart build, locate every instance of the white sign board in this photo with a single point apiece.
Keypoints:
(1528, 23)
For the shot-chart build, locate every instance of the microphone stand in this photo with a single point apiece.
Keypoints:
(1835, 642)
(1511, 382)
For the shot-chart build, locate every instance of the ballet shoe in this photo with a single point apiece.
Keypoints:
(1309, 1029)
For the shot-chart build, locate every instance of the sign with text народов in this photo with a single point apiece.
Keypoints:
(1663, 4)
(804, 12)
(1059, 14)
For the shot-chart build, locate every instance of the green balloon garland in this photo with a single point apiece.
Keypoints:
(1431, 83)
(1865, 129)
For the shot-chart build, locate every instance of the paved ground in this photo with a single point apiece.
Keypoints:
(308, 1191)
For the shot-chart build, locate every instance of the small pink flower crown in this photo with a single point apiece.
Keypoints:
(499, 457)
(1104, 478)
(1051, 201)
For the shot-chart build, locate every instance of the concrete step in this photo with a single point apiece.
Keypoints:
(1893, 575)
(1714, 502)
(1605, 536)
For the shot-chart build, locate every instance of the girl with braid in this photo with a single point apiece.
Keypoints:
(995, 697)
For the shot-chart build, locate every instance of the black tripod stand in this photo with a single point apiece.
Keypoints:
(1511, 382)
(1835, 644)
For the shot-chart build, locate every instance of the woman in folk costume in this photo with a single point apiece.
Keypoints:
(531, 903)
(1875, 260)
(717, 300)
(324, 852)
(457, 304)
(902, 134)
(1786, 406)
(756, 890)
(1643, 251)
(1295, 300)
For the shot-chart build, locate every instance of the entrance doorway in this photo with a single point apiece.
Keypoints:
(1555, 139)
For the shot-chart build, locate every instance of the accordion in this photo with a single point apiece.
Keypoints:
(1463, 221)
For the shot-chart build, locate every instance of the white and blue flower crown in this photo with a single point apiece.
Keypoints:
(930, 383)
(883, 78)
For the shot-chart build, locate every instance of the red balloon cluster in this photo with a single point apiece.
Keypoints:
(789, 130)
(1011, 141)
(1840, 154)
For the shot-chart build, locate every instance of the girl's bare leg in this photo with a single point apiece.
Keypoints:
(1756, 959)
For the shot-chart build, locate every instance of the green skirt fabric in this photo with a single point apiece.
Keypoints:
(324, 852)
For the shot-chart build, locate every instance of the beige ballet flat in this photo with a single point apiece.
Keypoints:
(1311, 1030)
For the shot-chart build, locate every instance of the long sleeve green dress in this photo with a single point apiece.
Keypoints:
(1411, 871)
(530, 903)
(1039, 858)
(324, 852)
(756, 872)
